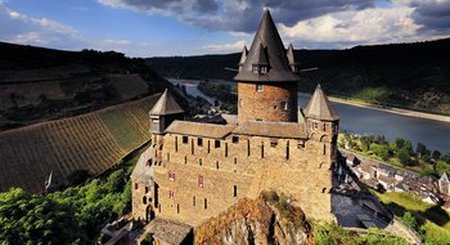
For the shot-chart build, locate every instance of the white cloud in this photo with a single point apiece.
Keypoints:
(48, 24)
(224, 48)
(368, 26)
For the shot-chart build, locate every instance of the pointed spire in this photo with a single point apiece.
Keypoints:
(243, 56)
(290, 55)
(166, 105)
(319, 107)
(444, 177)
(268, 40)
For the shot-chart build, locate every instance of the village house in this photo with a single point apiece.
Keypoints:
(193, 171)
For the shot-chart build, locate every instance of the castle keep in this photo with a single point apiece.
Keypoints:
(193, 171)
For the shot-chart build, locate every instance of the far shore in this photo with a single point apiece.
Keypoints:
(395, 110)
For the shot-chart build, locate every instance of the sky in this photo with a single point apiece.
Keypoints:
(147, 28)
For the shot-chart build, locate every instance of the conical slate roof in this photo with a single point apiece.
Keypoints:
(273, 50)
(166, 105)
(243, 56)
(290, 55)
(319, 107)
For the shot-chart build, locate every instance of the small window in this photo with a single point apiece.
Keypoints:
(185, 159)
(144, 200)
(284, 105)
(185, 139)
(235, 139)
(200, 181)
(217, 144)
(193, 201)
(255, 69)
(217, 165)
(206, 203)
(263, 69)
(171, 176)
(200, 162)
(259, 87)
(235, 191)
(199, 141)
(315, 125)
(273, 142)
(171, 194)
(146, 189)
(136, 186)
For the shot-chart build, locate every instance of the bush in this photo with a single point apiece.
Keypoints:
(404, 156)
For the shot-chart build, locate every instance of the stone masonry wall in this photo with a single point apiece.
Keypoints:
(200, 179)
(268, 104)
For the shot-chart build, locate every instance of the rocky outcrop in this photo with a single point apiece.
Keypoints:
(270, 219)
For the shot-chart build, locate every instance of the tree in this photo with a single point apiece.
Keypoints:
(446, 158)
(436, 155)
(409, 220)
(404, 156)
(382, 151)
(421, 149)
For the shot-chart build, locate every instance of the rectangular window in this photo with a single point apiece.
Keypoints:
(146, 189)
(235, 191)
(217, 144)
(206, 203)
(259, 87)
(273, 142)
(171, 176)
(226, 149)
(171, 194)
(255, 69)
(235, 139)
(263, 69)
(200, 162)
(185, 139)
(284, 105)
(193, 201)
(200, 181)
(176, 144)
(315, 125)
(199, 141)
(136, 186)
(217, 165)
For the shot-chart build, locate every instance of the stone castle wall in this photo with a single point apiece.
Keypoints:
(201, 177)
(268, 104)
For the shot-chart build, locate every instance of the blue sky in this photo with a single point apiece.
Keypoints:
(188, 27)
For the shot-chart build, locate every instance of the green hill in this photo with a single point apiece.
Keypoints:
(411, 75)
(40, 84)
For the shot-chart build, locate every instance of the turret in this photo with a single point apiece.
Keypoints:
(322, 122)
(267, 86)
(164, 112)
(243, 57)
(291, 59)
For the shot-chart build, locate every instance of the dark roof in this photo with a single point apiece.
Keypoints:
(166, 105)
(208, 130)
(319, 107)
(168, 231)
(272, 129)
(267, 44)
(291, 55)
(243, 56)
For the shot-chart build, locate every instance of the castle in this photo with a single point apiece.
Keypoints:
(193, 171)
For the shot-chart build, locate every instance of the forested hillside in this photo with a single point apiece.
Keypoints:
(39, 84)
(413, 75)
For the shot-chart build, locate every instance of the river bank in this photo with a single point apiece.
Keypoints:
(394, 110)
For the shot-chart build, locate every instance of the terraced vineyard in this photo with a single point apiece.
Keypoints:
(93, 142)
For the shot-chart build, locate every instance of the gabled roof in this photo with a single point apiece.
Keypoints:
(269, 39)
(166, 105)
(243, 56)
(290, 130)
(260, 58)
(209, 130)
(319, 107)
(169, 231)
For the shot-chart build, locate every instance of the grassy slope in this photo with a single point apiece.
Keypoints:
(93, 142)
(415, 76)
(434, 222)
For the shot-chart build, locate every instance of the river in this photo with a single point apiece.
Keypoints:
(434, 134)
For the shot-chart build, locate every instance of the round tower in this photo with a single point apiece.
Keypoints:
(267, 78)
